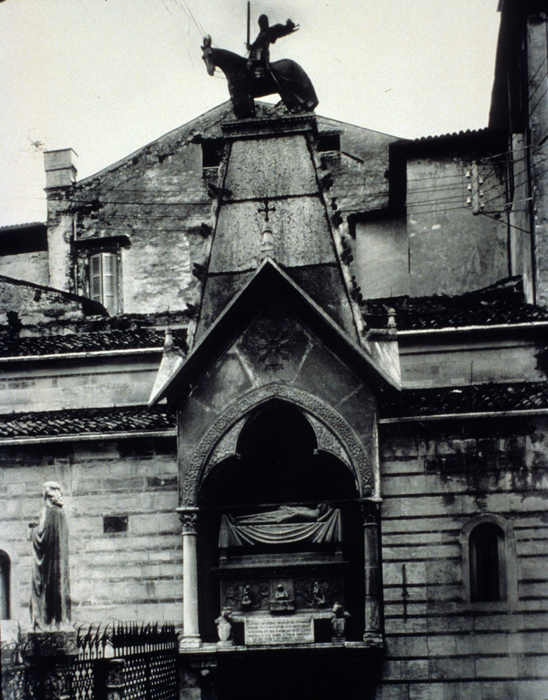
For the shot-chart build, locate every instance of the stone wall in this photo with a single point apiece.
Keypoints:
(438, 479)
(131, 575)
(56, 384)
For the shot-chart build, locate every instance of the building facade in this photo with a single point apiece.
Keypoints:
(291, 374)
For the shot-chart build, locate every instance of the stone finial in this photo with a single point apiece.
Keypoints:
(172, 359)
(391, 319)
(267, 244)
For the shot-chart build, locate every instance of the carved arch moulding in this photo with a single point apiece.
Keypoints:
(333, 433)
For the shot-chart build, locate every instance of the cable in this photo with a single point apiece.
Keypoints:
(505, 223)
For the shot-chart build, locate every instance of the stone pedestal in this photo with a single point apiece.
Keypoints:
(52, 656)
(115, 679)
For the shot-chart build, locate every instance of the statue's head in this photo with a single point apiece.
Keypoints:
(53, 493)
(263, 22)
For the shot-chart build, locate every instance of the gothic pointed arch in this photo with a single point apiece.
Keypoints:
(333, 434)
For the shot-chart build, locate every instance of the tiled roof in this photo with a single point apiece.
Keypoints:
(86, 421)
(14, 227)
(128, 339)
(480, 398)
(497, 305)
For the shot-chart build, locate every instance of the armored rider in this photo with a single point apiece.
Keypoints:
(259, 50)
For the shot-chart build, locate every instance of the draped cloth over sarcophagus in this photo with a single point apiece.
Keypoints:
(286, 525)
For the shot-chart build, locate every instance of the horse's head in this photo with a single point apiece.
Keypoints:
(207, 55)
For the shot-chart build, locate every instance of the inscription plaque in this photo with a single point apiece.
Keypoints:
(263, 630)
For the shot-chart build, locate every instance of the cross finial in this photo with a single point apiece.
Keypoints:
(267, 209)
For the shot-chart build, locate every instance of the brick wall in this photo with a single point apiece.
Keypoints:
(135, 574)
(438, 479)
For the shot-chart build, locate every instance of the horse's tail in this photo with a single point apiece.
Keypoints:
(296, 89)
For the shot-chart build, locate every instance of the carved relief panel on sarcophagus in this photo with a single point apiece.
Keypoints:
(282, 573)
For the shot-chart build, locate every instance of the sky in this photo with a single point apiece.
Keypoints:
(106, 77)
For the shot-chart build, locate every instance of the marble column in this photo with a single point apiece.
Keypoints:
(372, 573)
(191, 631)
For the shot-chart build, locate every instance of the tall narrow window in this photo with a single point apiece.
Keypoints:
(103, 280)
(487, 563)
(4, 586)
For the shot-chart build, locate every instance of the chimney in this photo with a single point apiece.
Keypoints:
(60, 168)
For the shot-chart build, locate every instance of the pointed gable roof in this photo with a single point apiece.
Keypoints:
(269, 283)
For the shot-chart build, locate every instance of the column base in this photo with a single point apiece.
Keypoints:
(190, 642)
(373, 638)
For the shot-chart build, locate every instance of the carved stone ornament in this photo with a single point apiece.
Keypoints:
(194, 471)
(224, 626)
(317, 594)
(226, 447)
(271, 342)
(245, 596)
(189, 521)
(328, 441)
(55, 644)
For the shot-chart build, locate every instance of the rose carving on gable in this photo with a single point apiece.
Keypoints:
(272, 343)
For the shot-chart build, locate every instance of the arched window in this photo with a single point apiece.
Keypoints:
(487, 563)
(4, 586)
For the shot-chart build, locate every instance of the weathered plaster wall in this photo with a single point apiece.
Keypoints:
(35, 304)
(133, 575)
(31, 267)
(451, 251)
(158, 199)
(441, 247)
(537, 44)
(382, 258)
(436, 479)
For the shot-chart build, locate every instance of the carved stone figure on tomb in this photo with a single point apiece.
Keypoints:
(224, 626)
(288, 514)
(318, 594)
(246, 601)
(282, 598)
(338, 623)
(285, 525)
(281, 593)
(50, 586)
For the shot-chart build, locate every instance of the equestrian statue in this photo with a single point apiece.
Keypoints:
(255, 76)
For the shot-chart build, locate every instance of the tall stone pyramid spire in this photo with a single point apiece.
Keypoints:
(271, 205)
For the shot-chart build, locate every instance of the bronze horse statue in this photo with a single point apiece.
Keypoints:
(284, 77)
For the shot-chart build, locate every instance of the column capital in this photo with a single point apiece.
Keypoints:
(370, 509)
(188, 515)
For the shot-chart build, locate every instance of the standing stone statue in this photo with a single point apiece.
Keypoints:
(50, 587)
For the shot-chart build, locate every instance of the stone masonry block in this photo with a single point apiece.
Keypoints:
(497, 667)
(414, 669)
(392, 692)
(505, 690)
(443, 645)
(529, 690)
(451, 668)
(425, 691)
